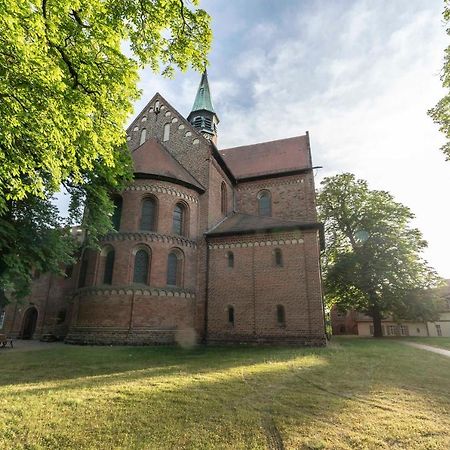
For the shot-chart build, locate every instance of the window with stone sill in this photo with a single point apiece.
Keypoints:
(230, 314)
(148, 215)
(281, 316)
(179, 225)
(174, 268)
(278, 257)
(264, 203)
(230, 259)
(109, 267)
(141, 265)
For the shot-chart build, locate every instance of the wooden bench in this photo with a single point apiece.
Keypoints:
(4, 341)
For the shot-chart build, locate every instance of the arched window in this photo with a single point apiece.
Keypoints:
(140, 274)
(230, 258)
(179, 219)
(166, 135)
(143, 136)
(148, 215)
(230, 315)
(83, 270)
(278, 257)
(264, 203)
(223, 198)
(174, 268)
(109, 266)
(117, 214)
(281, 316)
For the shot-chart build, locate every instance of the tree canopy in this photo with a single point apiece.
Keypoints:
(373, 262)
(67, 85)
(441, 112)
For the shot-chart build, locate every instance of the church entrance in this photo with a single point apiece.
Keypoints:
(29, 323)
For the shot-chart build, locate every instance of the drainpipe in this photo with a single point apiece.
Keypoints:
(205, 332)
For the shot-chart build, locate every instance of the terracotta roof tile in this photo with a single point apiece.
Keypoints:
(266, 158)
(239, 223)
(152, 158)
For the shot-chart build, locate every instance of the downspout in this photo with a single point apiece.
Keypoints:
(205, 332)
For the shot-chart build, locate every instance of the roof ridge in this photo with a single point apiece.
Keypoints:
(265, 142)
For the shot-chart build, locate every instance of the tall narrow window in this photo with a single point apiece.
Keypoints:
(2, 318)
(166, 135)
(278, 257)
(148, 215)
(109, 266)
(83, 270)
(223, 197)
(140, 267)
(230, 258)
(143, 136)
(264, 203)
(281, 316)
(178, 223)
(117, 214)
(230, 315)
(174, 269)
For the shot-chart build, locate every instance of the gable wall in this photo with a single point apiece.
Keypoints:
(293, 197)
(185, 144)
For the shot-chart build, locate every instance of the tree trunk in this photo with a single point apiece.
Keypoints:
(376, 318)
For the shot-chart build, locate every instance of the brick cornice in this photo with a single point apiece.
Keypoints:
(150, 237)
(256, 243)
(158, 188)
(140, 290)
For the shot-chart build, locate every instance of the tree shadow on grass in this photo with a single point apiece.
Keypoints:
(216, 397)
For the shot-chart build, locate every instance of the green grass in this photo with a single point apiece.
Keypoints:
(355, 394)
(442, 342)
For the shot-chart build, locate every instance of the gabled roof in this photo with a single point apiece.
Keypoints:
(239, 223)
(203, 98)
(152, 158)
(268, 158)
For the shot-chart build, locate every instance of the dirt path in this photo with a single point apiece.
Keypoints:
(21, 345)
(429, 348)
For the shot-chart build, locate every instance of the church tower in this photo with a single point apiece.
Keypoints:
(203, 117)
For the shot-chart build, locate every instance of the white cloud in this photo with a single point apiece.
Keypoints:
(359, 76)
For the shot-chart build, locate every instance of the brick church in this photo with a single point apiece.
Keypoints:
(220, 245)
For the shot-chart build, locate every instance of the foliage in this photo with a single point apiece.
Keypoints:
(31, 239)
(441, 112)
(67, 85)
(373, 261)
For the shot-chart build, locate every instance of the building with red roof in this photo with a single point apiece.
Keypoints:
(213, 245)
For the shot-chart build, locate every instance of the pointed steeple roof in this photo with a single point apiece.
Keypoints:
(203, 117)
(203, 98)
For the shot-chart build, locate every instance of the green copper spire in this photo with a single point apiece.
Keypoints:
(203, 98)
(203, 117)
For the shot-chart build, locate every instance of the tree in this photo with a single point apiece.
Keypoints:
(66, 88)
(373, 262)
(441, 112)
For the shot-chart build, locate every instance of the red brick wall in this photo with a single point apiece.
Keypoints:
(50, 294)
(293, 197)
(255, 286)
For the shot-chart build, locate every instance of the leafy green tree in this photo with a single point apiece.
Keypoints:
(441, 112)
(67, 85)
(372, 261)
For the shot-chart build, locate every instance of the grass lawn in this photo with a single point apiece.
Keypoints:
(355, 394)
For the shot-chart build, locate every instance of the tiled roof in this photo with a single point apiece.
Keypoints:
(239, 223)
(152, 158)
(267, 158)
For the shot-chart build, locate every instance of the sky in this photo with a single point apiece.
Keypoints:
(358, 75)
